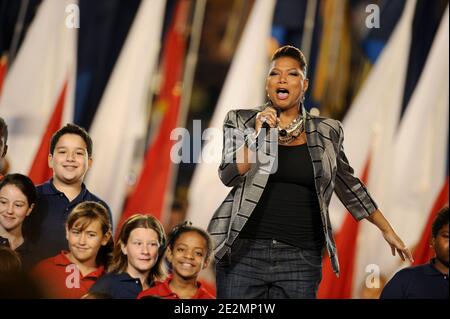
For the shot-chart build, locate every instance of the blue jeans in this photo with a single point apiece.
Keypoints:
(268, 269)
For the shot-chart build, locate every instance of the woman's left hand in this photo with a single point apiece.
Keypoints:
(377, 218)
(397, 245)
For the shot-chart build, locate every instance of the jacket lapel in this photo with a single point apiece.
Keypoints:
(316, 149)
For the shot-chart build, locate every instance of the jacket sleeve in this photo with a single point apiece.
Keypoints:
(233, 142)
(349, 189)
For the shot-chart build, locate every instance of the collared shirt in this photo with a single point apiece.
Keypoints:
(119, 286)
(419, 282)
(25, 252)
(162, 289)
(45, 227)
(60, 278)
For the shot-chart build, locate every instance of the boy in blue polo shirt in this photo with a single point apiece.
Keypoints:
(70, 158)
(429, 281)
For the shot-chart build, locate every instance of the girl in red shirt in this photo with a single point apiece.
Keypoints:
(188, 252)
(71, 274)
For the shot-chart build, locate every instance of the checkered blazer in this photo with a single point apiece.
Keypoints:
(332, 172)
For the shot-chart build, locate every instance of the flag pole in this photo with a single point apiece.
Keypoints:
(308, 28)
(188, 81)
(18, 30)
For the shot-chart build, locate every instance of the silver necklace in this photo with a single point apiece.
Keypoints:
(291, 132)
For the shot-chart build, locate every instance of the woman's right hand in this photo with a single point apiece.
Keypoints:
(268, 115)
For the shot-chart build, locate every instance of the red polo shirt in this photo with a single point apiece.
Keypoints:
(61, 279)
(162, 289)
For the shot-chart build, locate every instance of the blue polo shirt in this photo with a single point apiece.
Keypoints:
(45, 226)
(419, 282)
(119, 286)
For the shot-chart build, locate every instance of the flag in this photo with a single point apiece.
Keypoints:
(379, 96)
(119, 122)
(341, 287)
(420, 166)
(384, 134)
(376, 38)
(105, 27)
(414, 169)
(427, 17)
(422, 251)
(150, 193)
(370, 127)
(332, 76)
(40, 80)
(40, 171)
(3, 70)
(243, 88)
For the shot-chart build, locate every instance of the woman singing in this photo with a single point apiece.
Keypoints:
(271, 229)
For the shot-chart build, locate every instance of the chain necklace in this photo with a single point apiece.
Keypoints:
(288, 134)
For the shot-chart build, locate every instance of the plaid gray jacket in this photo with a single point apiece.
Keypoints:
(332, 172)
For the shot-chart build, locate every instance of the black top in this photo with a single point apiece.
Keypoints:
(419, 282)
(119, 286)
(25, 252)
(289, 210)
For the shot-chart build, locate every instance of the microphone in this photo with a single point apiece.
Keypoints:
(267, 126)
(282, 132)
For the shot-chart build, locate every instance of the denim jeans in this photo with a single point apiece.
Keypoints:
(268, 269)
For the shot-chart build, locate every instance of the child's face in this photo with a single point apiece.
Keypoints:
(188, 257)
(14, 207)
(440, 245)
(141, 250)
(70, 160)
(85, 244)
